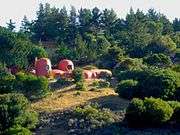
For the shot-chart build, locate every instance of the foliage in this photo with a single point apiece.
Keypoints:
(127, 89)
(163, 44)
(101, 84)
(14, 110)
(6, 82)
(176, 108)
(14, 48)
(160, 83)
(135, 112)
(17, 130)
(112, 57)
(129, 64)
(148, 112)
(157, 111)
(159, 60)
(81, 86)
(37, 52)
(33, 87)
(78, 75)
(90, 117)
(64, 52)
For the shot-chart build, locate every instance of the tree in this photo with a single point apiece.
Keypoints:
(163, 44)
(26, 26)
(108, 18)
(159, 60)
(62, 24)
(36, 52)
(72, 28)
(176, 24)
(11, 25)
(112, 57)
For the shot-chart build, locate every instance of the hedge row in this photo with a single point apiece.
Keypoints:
(152, 112)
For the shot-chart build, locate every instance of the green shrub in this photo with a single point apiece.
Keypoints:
(155, 82)
(148, 112)
(101, 84)
(157, 111)
(176, 68)
(104, 84)
(176, 107)
(78, 75)
(33, 87)
(159, 60)
(127, 89)
(6, 82)
(160, 83)
(90, 117)
(28, 120)
(15, 110)
(135, 113)
(129, 64)
(81, 86)
(17, 130)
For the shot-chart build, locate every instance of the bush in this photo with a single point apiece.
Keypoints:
(176, 107)
(127, 89)
(18, 131)
(104, 84)
(81, 86)
(33, 87)
(101, 84)
(159, 60)
(14, 110)
(157, 111)
(176, 68)
(135, 113)
(6, 82)
(28, 120)
(90, 117)
(129, 64)
(111, 58)
(162, 44)
(78, 75)
(148, 112)
(159, 83)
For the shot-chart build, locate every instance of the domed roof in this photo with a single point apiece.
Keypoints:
(66, 65)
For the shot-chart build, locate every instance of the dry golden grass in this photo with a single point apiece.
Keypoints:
(68, 97)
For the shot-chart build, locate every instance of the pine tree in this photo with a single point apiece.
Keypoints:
(11, 25)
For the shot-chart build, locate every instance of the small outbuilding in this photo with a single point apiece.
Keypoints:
(66, 65)
(43, 67)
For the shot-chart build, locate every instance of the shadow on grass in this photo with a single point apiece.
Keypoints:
(113, 102)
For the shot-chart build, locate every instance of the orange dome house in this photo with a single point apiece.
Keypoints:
(66, 65)
(43, 67)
